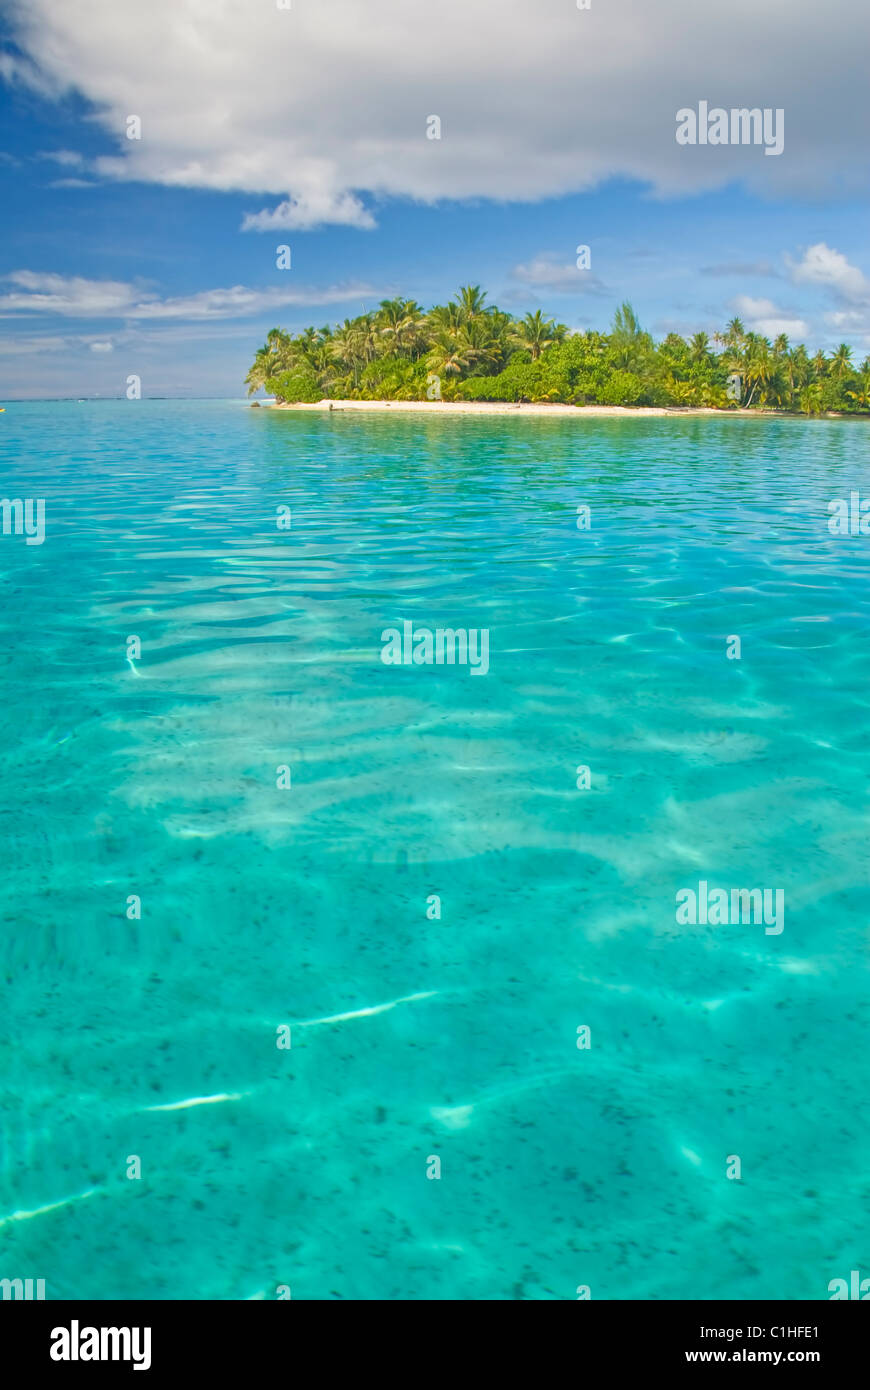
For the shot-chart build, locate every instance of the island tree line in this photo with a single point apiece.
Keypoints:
(467, 350)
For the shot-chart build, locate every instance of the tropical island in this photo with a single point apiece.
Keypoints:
(467, 351)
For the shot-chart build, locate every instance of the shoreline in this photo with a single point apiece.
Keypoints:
(523, 408)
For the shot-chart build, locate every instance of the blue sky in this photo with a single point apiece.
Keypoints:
(120, 256)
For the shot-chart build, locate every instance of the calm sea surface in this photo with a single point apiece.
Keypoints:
(417, 1037)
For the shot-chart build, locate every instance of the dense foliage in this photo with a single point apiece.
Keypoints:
(468, 350)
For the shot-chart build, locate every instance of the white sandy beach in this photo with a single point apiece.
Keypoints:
(507, 408)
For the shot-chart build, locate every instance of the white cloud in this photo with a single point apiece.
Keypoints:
(547, 272)
(853, 324)
(822, 265)
(48, 344)
(762, 316)
(70, 296)
(19, 346)
(327, 102)
(75, 297)
(310, 210)
(70, 159)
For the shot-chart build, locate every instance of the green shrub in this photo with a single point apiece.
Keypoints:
(520, 381)
(623, 388)
(295, 388)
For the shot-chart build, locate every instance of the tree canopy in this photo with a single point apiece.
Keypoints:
(470, 350)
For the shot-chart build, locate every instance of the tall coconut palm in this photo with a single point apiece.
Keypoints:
(501, 326)
(535, 333)
(801, 368)
(261, 369)
(471, 301)
(699, 348)
(444, 318)
(400, 321)
(445, 356)
(841, 362)
(734, 336)
(274, 356)
(758, 368)
(469, 349)
(478, 344)
(782, 356)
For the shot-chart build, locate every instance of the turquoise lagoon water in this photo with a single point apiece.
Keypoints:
(415, 1038)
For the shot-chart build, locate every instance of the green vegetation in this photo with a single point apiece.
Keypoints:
(469, 351)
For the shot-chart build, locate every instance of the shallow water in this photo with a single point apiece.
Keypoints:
(307, 906)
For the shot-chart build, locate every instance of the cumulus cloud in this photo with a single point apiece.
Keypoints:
(822, 265)
(548, 272)
(72, 296)
(764, 317)
(321, 107)
(310, 210)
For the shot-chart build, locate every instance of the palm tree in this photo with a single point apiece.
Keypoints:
(471, 300)
(444, 318)
(758, 368)
(399, 321)
(261, 369)
(478, 344)
(274, 356)
(501, 326)
(841, 362)
(535, 333)
(342, 348)
(734, 335)
(445, 356)
(801, 369)
(471, 348)
(699, 347)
